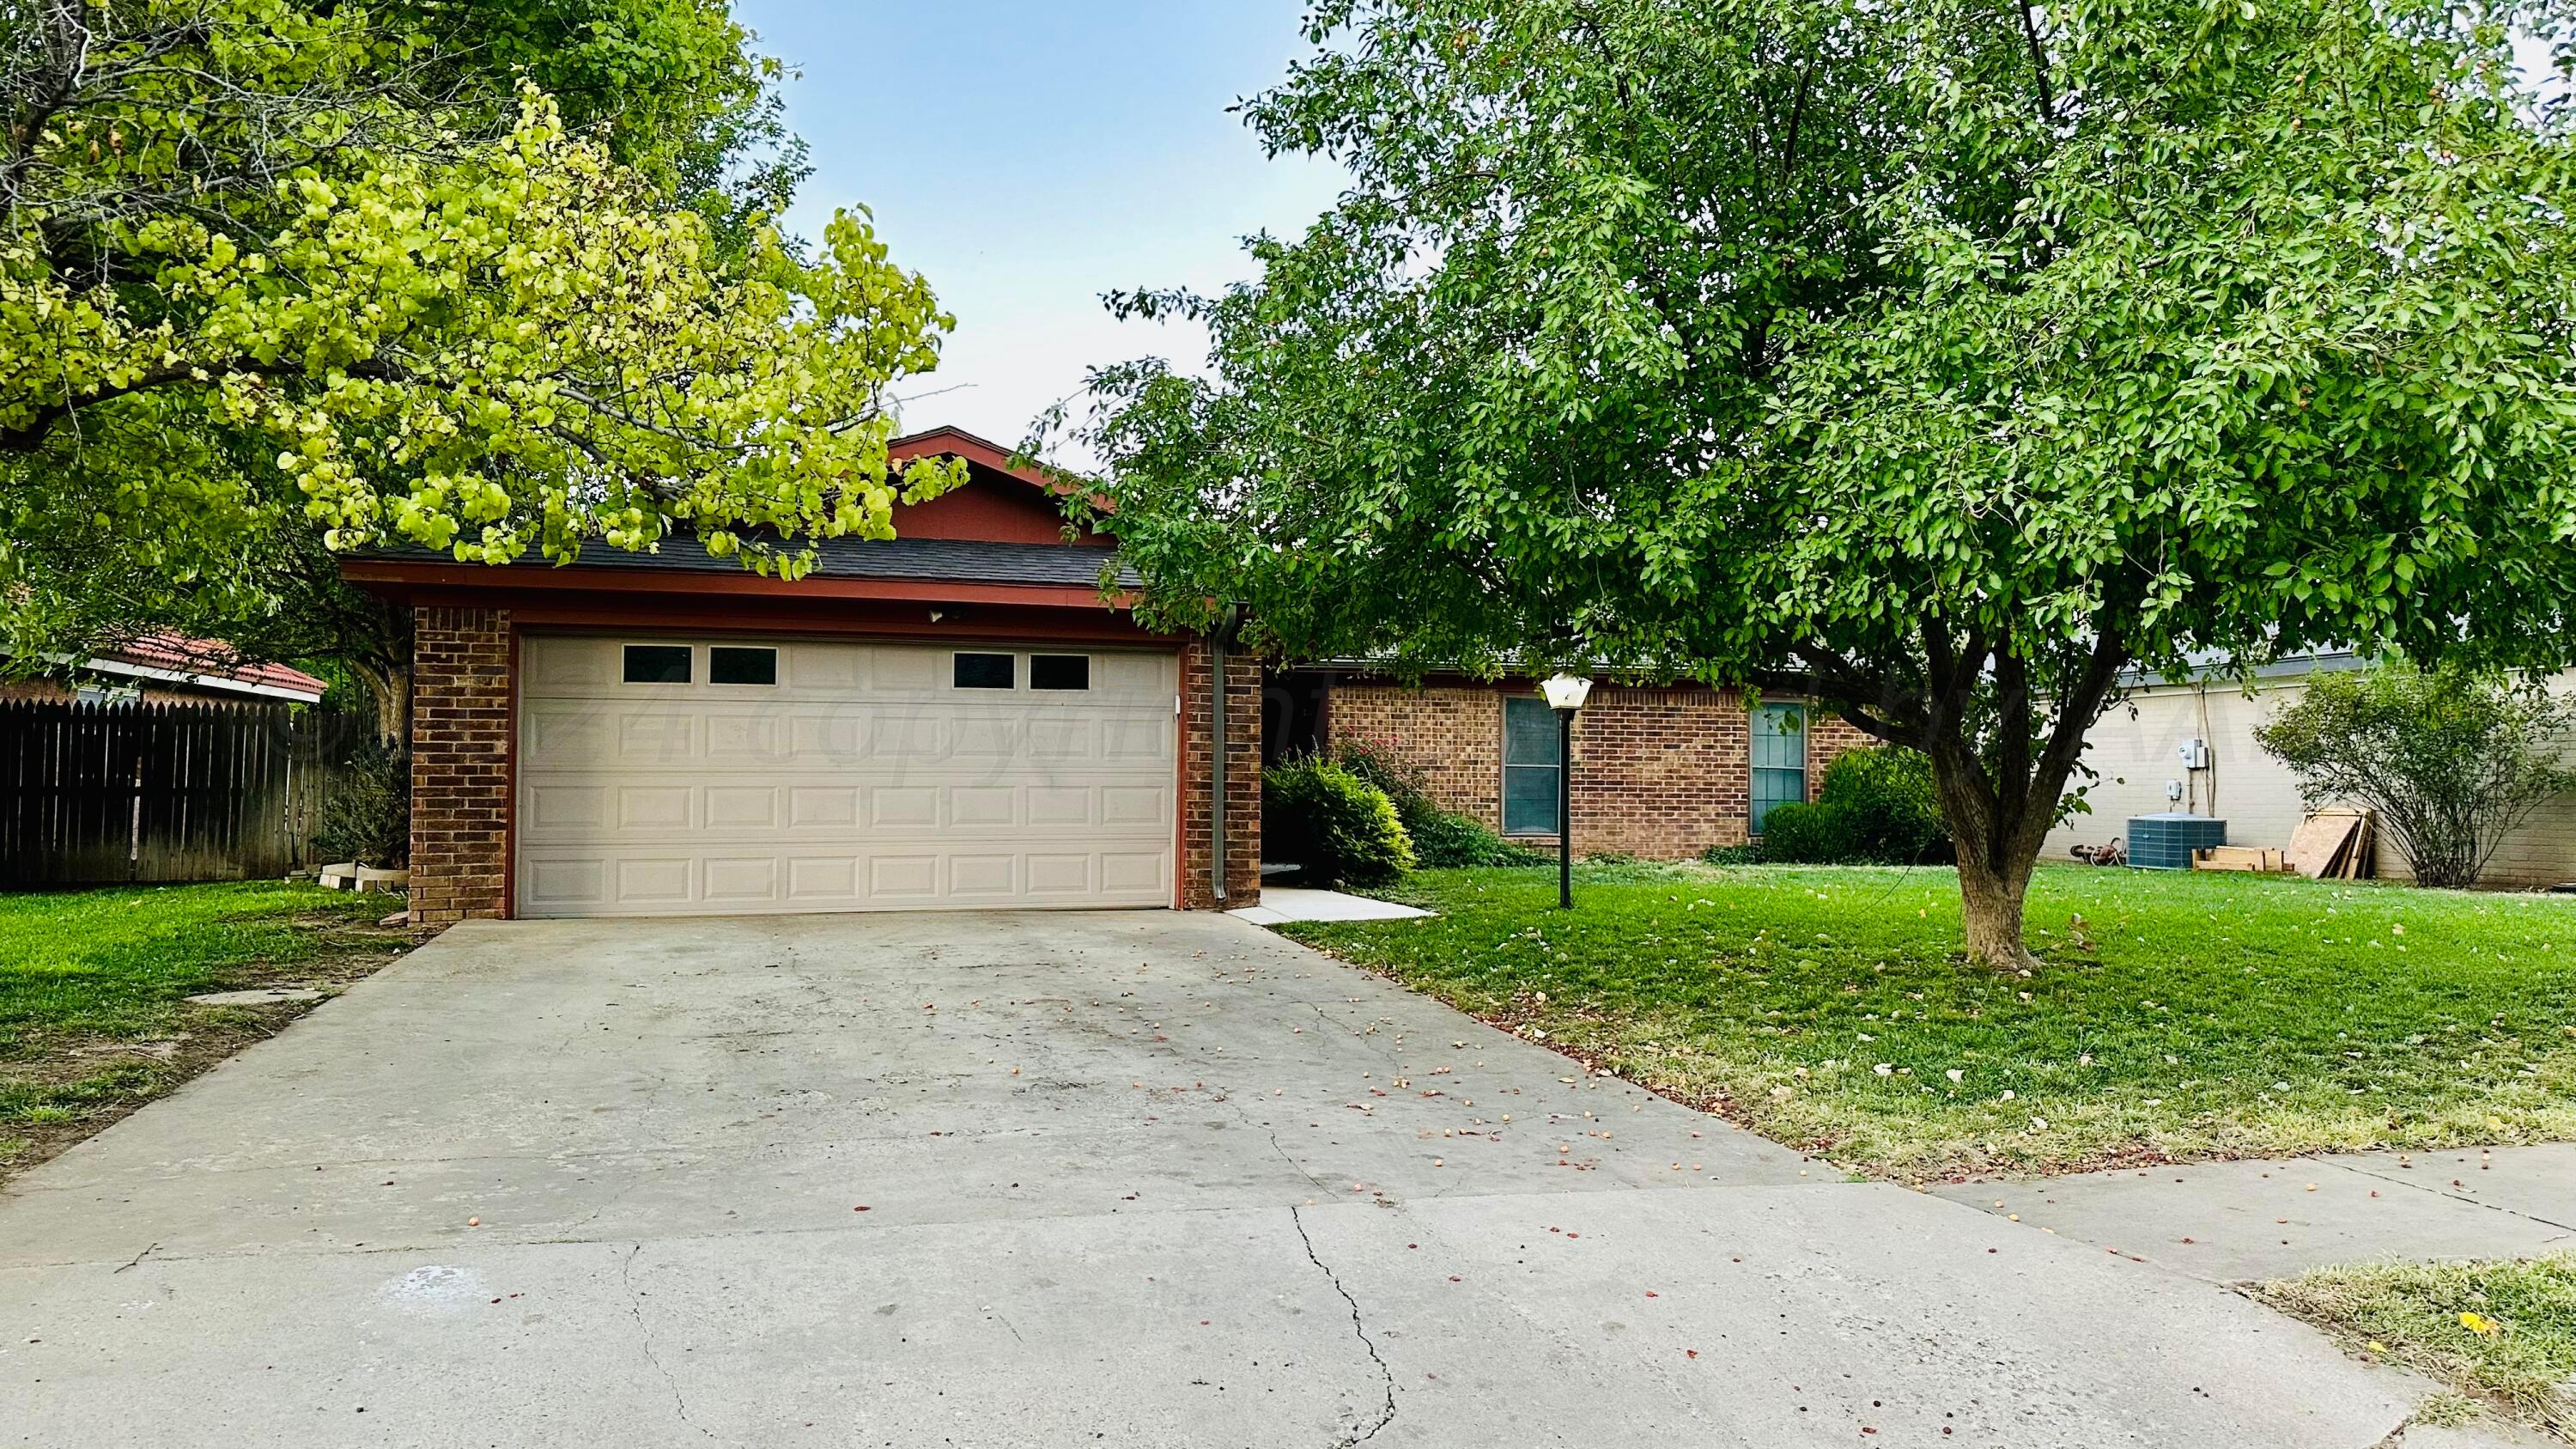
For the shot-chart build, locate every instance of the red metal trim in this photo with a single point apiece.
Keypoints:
(481, 580)
(510, 791)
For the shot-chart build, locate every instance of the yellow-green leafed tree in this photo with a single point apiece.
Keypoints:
(237, 243)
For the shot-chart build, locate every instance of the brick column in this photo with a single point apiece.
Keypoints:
(460, 764)
(1242, 780)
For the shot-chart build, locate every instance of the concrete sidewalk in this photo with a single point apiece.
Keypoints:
(2238, 1221)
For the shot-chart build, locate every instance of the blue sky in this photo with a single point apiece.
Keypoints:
(1029, 156)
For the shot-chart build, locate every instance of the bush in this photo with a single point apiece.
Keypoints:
(1819, 834)
(1442, 839)
(1891, 811)
(366, 809)
(1332, 822)
(2451, 760)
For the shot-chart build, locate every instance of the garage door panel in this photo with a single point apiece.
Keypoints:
(901, 806)
(666, 880)
(972, 805)
(862, 780)
(744, 739)
(900, 670)
(735, 879)
(1134, 804)
(647, 735)
(831, 669)
(742, 807)
(903, 878)
(994, 876)
(1060, 804)
(1135, 871)
(1060, 875)
(823, 738)
(1137, 741)
(563, 883)
(823, 807)
(821, 882)
(582, 807)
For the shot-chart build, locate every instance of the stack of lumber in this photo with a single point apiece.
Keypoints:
(2333, 845)
(2264, 858)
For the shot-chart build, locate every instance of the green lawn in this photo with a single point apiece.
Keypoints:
(92, 1020)
(2180, 1015)
(2504, 1332)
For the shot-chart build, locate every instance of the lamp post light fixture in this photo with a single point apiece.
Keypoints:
(1565, 694)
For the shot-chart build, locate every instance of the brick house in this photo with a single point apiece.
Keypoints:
(1660, 773)
(952, 719)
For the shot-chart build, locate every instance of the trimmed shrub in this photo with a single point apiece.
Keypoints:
(1442, 839)
(1335, 824)
(1800, 834)
(1891, 811)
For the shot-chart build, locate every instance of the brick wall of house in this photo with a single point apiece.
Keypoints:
(1661, 774)
(460, 764)
(1242, 780)
(1453, 734)
(1828, 737)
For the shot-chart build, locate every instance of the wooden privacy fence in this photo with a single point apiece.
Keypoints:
(99, 793)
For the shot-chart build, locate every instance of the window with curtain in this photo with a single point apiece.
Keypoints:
(1779, 758)
(1529, 767)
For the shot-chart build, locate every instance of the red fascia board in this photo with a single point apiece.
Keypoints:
(485, 579)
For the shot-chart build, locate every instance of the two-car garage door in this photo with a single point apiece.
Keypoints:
(664, 776)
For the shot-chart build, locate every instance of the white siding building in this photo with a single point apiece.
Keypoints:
(2137, 750)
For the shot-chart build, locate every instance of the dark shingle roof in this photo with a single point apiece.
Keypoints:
(947, 560)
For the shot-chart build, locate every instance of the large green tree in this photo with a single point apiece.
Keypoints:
(279, 279)
(1947, 358)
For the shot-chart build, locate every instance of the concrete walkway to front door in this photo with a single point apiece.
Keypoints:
(1043, 1180)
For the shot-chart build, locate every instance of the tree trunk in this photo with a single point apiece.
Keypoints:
(1992, 894)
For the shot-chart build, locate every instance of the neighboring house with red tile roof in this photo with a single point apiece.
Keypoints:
(167, 668)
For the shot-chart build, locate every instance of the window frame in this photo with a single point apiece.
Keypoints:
(688, 664)
(1553, 769)
(1759, 803)
(958, 657)
(1083, 688)
(769, 649)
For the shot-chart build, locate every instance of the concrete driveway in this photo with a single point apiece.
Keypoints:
(1131, 1179)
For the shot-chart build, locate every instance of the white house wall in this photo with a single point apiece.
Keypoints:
(2134, 749)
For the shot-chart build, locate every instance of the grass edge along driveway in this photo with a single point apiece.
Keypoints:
(93, 1017)
(2501, 1333)
(2180, 1016)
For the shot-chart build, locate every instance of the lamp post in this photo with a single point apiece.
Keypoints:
(1565, 694)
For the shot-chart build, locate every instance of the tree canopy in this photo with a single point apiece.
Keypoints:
(1946, 358)
(282, 278)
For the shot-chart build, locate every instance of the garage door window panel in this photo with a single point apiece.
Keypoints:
(986, 671)
(1061, 672)
(657, 664)
(742, 665)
